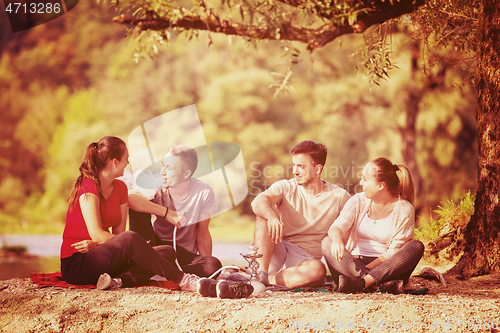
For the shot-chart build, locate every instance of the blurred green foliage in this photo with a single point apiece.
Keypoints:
(450, 215)
(69, 82)
(457, 214)
(428, 229)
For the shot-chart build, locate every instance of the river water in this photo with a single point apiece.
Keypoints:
(47, 248)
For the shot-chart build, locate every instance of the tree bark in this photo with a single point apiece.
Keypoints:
(409, 131)
(482, 249)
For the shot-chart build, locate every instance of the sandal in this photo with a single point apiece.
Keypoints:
(421, 291)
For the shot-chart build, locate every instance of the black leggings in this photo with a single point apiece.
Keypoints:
(398, 267)
(126, 256)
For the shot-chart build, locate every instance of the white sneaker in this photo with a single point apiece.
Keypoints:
(106, 282)
(189, 282)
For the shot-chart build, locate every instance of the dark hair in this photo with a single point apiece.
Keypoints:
(398, 178)
(97, 156)
(317, 151)
(188, 154)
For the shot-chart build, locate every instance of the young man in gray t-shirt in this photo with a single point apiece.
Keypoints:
(183, 208)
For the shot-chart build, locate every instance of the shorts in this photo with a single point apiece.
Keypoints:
(285, 255)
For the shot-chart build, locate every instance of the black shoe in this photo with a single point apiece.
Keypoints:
(394, 287)
(350, 285)
(239, 277)
(207, 287)
(232, 289)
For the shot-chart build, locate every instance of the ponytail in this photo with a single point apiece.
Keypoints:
(406, 188)
(398, 178)
(97, 156)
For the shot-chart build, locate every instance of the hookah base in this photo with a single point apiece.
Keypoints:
(258, 287)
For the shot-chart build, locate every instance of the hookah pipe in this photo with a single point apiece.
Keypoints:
(253, 266)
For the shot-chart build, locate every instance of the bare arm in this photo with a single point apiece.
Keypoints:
(89, 204)
(262, 206)
(140, 204)
(376, 262)
(123, 223)
(203, 237)
(338, 245)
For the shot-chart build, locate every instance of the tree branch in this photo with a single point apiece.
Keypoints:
(378, 12)
(314, 38)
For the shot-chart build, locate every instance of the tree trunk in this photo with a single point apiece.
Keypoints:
(482, 235)
(409, 131)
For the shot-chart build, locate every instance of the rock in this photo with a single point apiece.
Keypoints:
(432, 274)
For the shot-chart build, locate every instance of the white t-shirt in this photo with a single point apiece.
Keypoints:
(373, 236)
(306, 217)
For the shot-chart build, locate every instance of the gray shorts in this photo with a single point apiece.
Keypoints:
(286, 255)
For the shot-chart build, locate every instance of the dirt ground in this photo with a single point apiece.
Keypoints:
(461, 306)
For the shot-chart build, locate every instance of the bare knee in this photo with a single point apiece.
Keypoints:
(313, 271)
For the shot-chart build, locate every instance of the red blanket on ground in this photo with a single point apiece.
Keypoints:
(55, 280)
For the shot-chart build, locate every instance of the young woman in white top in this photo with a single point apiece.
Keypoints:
(371, 242)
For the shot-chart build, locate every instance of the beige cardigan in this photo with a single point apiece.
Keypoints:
(403, 222)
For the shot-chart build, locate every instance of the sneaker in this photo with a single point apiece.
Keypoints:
(229, 270)
(239, 277)
(394, 287)
(207, 287)
(350, 285)
(245, 277)
(231, 289)
(106, 282)
(189, 282)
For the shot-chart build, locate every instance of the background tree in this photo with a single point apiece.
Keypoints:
(482, 233)
(72, 80)
(316, 23)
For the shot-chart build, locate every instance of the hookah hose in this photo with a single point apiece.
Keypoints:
(175, 249)
(224, 267)
(211, 276)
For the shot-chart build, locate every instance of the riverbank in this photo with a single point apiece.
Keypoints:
(460, 306)
(42, 254)
(50, 245)
(463, 306)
